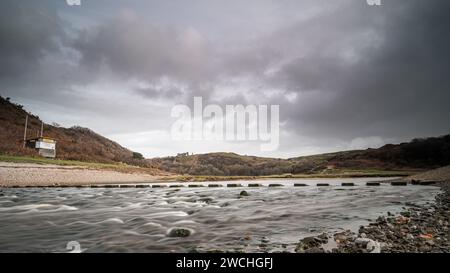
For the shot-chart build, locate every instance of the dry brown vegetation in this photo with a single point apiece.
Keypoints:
(402, 159)
(74, 143)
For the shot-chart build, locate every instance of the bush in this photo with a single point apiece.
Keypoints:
(137, 156)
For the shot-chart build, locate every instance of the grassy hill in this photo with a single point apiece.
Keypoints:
(74, 143)
(401, 159)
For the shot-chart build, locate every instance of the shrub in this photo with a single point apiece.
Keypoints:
(137, 156)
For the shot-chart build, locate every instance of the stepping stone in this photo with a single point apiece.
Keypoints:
(215, 185)
(348, 184)
(300, 185)
(415, 182)
(275, 185)
(323, 185)
(111, 186)
(234, 185)
(128, 186)
(426, 183)
(253, 185)
(195, 186)
(373, 183)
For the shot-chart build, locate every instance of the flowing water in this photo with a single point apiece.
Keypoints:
(139, 219)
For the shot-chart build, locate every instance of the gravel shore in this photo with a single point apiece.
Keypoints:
(15, 174)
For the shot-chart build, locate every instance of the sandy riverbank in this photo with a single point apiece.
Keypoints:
(34, 174)
(20, 174)
(440, 174)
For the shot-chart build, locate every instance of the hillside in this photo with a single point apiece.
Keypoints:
(74, 143)
(417, 155)
(427, 153)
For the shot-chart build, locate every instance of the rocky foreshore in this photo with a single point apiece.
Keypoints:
(417, 229)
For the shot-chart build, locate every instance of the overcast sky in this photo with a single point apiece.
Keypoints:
(345, 74)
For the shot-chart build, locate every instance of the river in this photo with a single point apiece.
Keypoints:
(140, 219)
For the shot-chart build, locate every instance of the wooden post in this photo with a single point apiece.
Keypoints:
(42, 129)
(25, 132)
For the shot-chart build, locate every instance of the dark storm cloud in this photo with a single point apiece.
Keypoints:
(359, 70)
(395, 88)
(339, 70)
(134, 48)
(28, 30)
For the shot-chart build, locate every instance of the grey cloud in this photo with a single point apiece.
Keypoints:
(396, 86)
(28, 30)
(357, 71)
(133, 48)
(155, 92)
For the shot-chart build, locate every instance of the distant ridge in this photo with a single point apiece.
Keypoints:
(417, 155)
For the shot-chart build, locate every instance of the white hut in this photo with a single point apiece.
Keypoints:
(45, 145)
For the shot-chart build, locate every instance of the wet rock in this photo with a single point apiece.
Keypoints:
(405, 214)
(179, 232)
(381, 220)
(315, 250)
(207, 200)
(323, 237)
(345, 237)
(401, 220)
(244, 194)
(312, 244)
